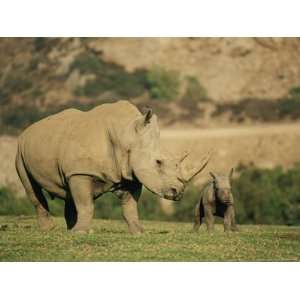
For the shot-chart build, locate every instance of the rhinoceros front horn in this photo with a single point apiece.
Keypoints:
(188, 175)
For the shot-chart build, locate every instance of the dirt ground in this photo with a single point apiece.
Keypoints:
(265, 146)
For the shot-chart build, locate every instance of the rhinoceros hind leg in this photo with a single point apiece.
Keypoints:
(81, 188)
(35, 194)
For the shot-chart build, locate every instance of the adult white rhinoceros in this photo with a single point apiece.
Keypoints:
(77, 156)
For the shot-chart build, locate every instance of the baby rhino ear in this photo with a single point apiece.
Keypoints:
(231, 173)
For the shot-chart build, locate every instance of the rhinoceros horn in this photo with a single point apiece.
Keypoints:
(188, 175)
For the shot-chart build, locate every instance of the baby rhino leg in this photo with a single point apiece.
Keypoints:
(229, 219)
(209, 218)
(233, 223)
(197, 220)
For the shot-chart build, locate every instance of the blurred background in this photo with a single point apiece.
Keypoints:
(239, 96)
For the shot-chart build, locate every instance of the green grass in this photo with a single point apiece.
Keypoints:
(20, 240)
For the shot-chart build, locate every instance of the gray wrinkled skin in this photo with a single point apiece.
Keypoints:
(216, 200)
(78, 156)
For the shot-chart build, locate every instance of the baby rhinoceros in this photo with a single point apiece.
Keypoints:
(216, 200)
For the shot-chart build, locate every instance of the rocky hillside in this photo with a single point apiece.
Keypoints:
(189, 81)
(229, 68)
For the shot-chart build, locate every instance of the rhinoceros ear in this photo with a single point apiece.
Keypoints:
(147, 116)
(231, 173)
(144, 120)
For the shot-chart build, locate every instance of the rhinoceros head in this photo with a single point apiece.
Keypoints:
(158, 172)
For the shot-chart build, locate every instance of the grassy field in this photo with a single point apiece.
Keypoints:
(20, 240)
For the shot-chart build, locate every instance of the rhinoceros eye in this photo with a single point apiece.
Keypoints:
(159, 162)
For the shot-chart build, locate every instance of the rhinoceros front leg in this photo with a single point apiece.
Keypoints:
(130, 214)
(81, 188)
(129, 200)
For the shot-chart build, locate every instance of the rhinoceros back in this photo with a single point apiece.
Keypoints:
(74, 142)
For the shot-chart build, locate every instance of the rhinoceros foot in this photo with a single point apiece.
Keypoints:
(82, 231)
(135, 228)
(46, 224)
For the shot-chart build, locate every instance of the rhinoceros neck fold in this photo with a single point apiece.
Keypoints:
(120, 156)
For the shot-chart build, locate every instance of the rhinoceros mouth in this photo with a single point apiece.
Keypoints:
(173, 197)
(168, 196)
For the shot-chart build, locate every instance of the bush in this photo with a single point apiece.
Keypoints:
(15, 118)
(87, 64)
(20, 117)
(11, 204)
(149, 207)
(289, 107)
(254, 109)
(33, 65)
(194, 92)
(17, 83)
(109, 207)
(162, 84)
(4, 97)
(261, 110)
(295, 91)
(39, 43)
(184, 210)
(90, 89)
(262, 196)
(109, 77)
(268, 196)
